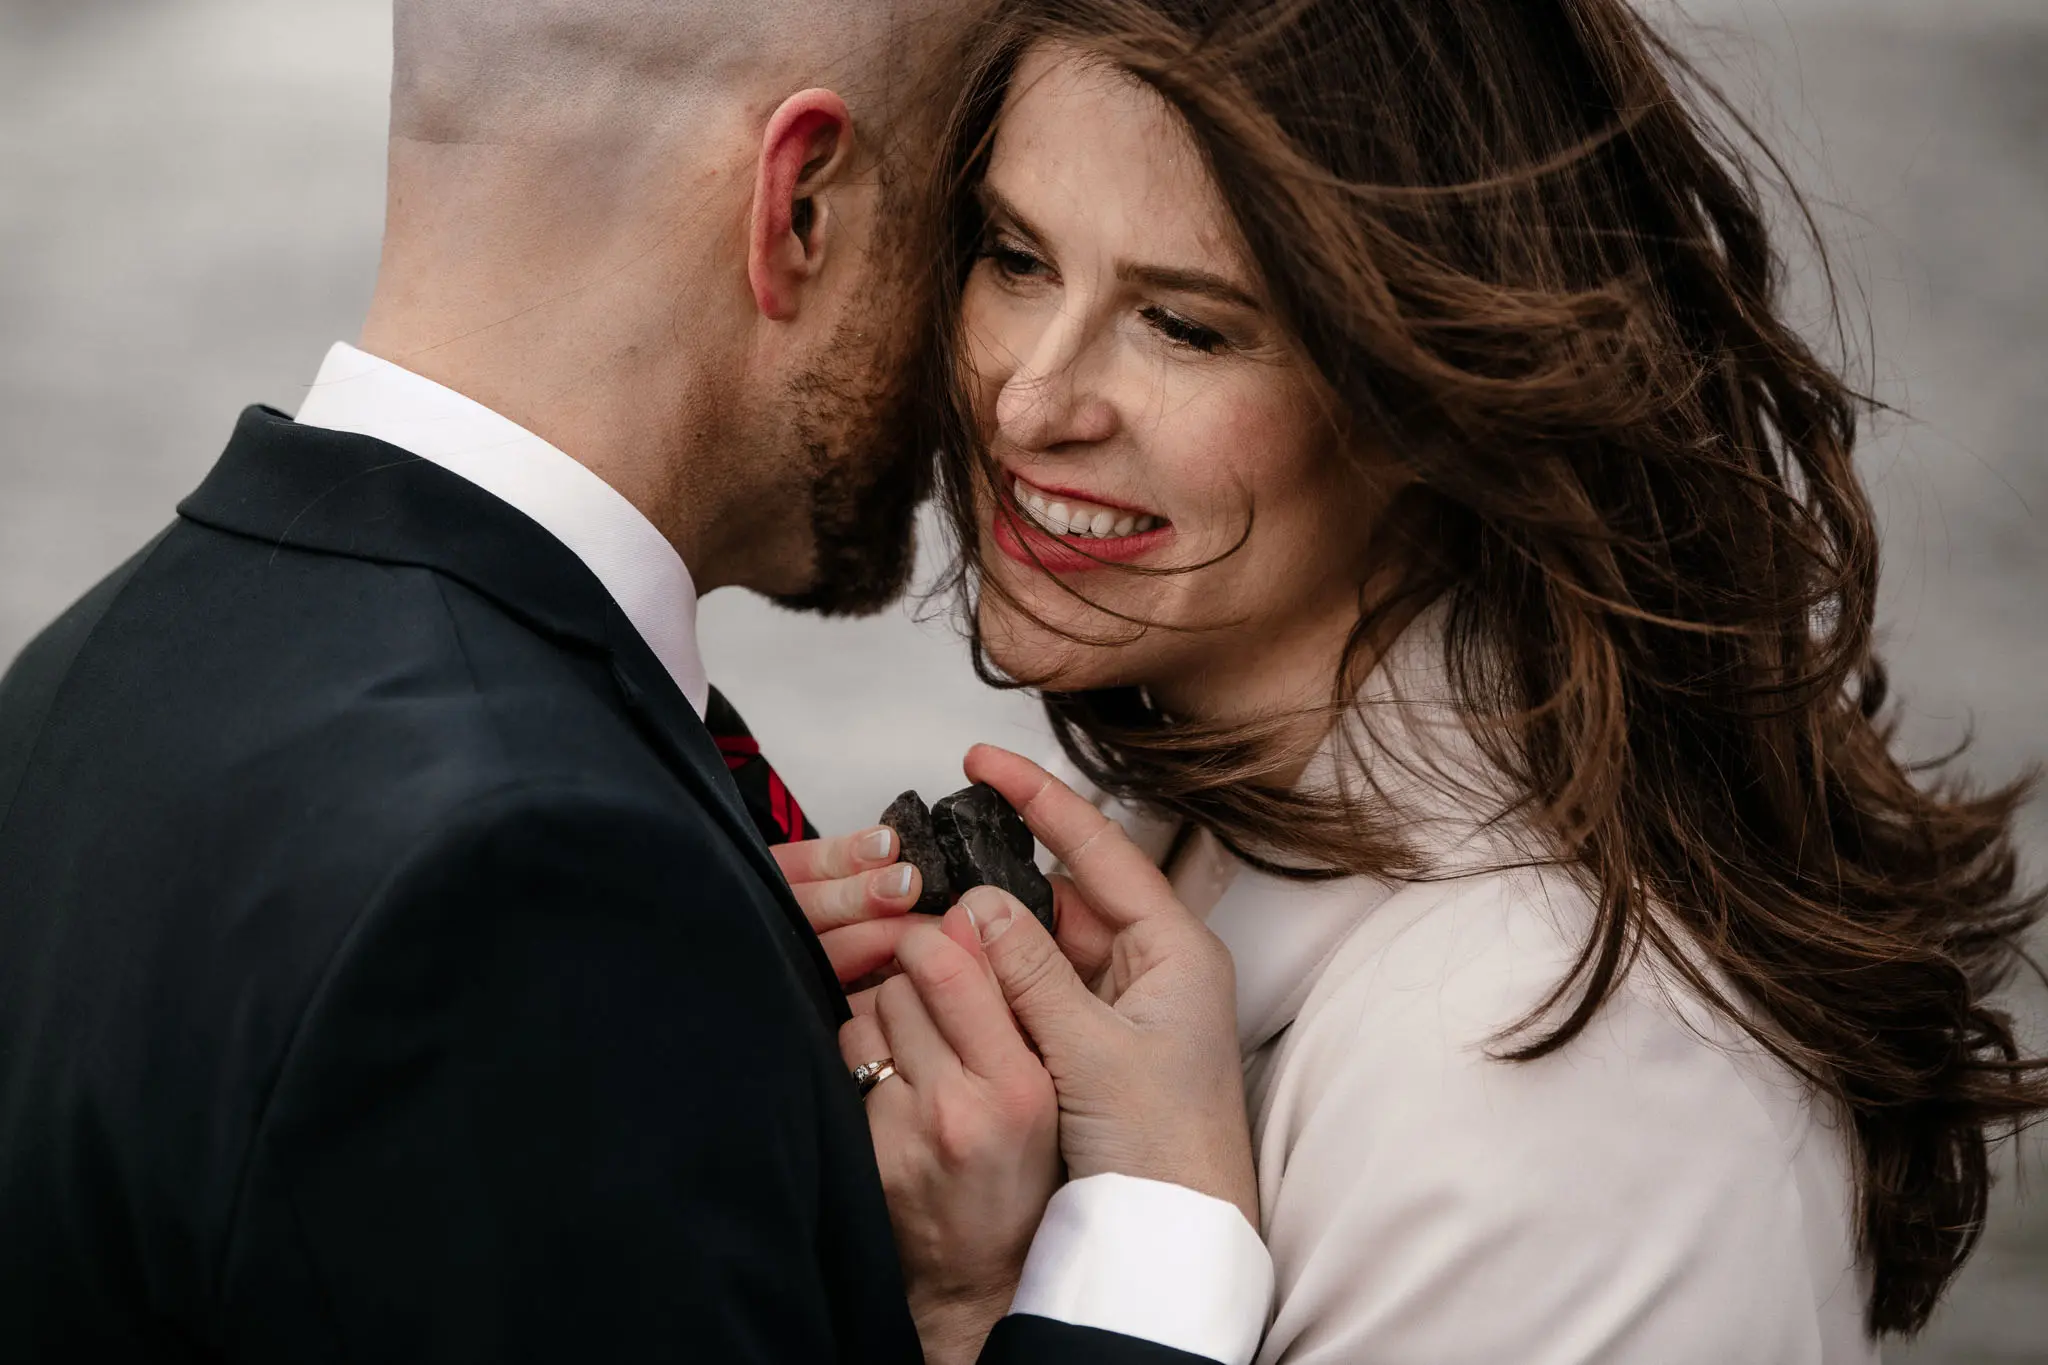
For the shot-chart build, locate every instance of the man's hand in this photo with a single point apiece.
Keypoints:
(1145, 1063)
(855, 895)
(966, 1133)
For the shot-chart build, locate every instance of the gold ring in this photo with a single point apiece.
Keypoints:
(868, 1075)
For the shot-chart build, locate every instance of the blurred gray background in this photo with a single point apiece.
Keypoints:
(190, 201)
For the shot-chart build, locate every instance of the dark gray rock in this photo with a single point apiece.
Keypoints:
(920, 848)
(971, 838)
(986, 843)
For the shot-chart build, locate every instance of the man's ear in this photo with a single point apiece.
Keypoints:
(808, 146)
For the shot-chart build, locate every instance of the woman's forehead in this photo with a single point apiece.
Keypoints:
(1088, 153)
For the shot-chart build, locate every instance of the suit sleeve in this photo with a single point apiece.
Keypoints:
(556, 1100)
(1025, 1339)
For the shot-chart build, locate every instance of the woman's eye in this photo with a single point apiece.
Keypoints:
(1012, 261)
(1181, 332)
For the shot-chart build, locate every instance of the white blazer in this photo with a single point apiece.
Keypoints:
(1660, 1192)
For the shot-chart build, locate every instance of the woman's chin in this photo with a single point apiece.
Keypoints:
(1021, 657)
(1037, 656)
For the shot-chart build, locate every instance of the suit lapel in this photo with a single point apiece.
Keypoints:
(354, 496)
(679, 736)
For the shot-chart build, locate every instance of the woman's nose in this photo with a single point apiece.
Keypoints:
(1051, 400)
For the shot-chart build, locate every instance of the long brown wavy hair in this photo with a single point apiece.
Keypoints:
(1524, 246)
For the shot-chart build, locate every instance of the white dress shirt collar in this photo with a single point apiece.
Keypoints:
(359, 393)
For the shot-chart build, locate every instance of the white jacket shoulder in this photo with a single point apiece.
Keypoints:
(1640, 1196)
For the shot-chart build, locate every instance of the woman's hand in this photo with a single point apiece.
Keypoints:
(855, 894)
(966, 1132)
(1133, 1008)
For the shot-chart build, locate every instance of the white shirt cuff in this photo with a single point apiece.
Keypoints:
(1154, 1261)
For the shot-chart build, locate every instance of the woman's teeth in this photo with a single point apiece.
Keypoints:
(1072, 517)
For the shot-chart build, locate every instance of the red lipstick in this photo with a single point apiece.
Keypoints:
(1025, 541)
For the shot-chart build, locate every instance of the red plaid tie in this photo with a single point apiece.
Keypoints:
(776, 813)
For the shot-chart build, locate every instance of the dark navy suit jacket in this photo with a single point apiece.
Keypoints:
(389, 970)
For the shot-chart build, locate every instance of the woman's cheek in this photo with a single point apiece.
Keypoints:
(992, 323)
(985, 373)
(1214, 457)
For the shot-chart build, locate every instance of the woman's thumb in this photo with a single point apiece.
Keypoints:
(1049, 999)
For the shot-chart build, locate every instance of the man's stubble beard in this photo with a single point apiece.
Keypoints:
(868, 444)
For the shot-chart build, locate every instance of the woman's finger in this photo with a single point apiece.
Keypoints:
(962, 998)
(873, 978)
(861, 950)
(922, 1053)
(822, 860)
(885, 891)
(1085, 935)
(861, 1041)
(1051, 1002)
(1118, 880)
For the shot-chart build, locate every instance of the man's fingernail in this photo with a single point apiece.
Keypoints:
(893, 882)
(878, 842)
(990, 912)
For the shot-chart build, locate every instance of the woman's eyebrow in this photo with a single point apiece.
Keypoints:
(1173, 279)
(1180, 280)
(995, 206)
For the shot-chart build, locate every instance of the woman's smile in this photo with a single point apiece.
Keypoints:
(1066, 512)
(1060, 530)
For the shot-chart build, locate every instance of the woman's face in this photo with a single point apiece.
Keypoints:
(1145, 409)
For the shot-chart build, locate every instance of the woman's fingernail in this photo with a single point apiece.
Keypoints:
(990, 912)
(893, 883)
(879, 842)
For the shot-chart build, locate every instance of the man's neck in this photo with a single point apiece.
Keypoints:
(595, 404)
(565, 319)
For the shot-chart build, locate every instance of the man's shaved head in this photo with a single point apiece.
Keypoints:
(514, 70)
(682, 240)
